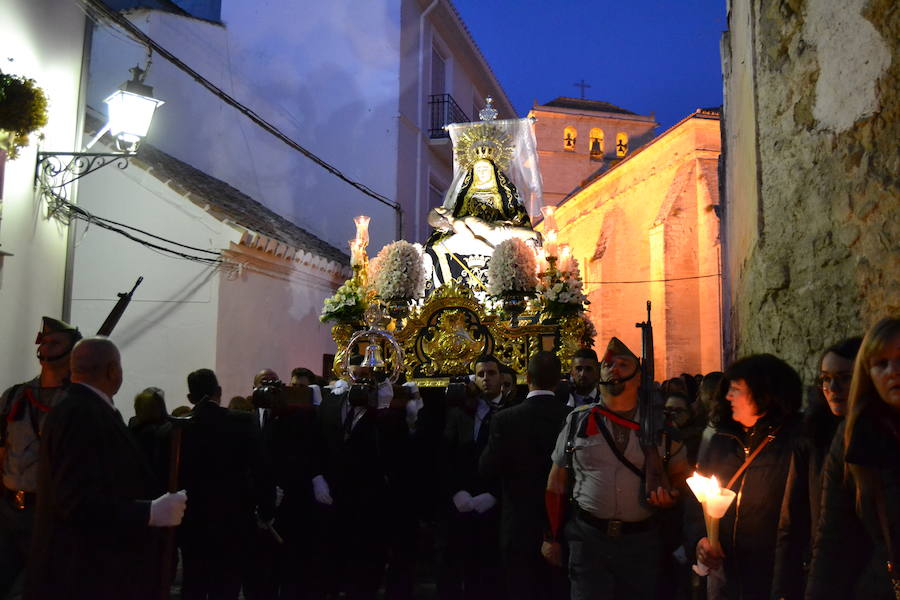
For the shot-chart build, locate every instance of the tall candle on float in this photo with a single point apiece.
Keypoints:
(540, 263)
(565, 258)
(549, 213)
(550, 245)
(362, 230)
(715, 501)
(354, 252)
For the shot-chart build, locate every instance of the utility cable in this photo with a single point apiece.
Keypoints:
(653, 280)
(133, 30)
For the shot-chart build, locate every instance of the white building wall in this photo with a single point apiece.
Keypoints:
(170, 327)
(310, 69)
(44, 39)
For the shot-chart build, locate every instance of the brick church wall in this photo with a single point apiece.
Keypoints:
(653, 217)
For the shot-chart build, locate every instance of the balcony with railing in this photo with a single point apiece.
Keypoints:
(444, 111)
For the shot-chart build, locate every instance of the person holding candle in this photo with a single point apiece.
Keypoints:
(859, 529)
(750, 452)
(802, 496)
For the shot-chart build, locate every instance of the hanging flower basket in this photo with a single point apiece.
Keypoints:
(23, 110)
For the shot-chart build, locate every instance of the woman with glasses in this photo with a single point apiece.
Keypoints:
(858, 532)
(802, 494)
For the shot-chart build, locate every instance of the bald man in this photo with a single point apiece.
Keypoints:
(96, 525)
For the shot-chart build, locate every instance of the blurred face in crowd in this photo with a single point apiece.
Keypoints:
(836, 374)
(300, 380)
(885, 372)
(743, 409)
(616, 369)
(678, 408)
(264, 377)
(487, 378)
(359, 372)
(54, 348)
(507, 385)
(585, 374)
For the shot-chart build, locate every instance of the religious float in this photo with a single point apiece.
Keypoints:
(484, 282)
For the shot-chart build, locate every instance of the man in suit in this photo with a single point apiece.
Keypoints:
(221, 471)
(585, 374)
(94, 533)
(360, 474)
(471, 557)
(518, 454)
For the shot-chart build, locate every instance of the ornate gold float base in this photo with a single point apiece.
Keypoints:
(452, 329)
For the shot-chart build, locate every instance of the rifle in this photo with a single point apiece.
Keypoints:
(650, 414)
(116, 313)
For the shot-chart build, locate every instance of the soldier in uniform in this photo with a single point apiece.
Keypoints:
(612, 530)
(22, 411)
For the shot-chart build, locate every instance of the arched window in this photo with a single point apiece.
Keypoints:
(597, 147)
(569, 136)
(621, 144)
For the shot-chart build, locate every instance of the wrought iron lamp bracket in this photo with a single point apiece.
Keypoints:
(54, 172)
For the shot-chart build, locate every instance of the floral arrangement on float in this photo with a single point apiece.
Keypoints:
(512, 275)
(398, 275)
(23, 110)
(347, 306)
(561, 290)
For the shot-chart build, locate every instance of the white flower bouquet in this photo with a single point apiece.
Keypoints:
(512, 269)
(563, 294)
(398, 272)
(346, 306)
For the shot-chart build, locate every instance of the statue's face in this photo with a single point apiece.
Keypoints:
(484, 173)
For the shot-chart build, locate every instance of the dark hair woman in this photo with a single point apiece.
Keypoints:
(859, 529)
(802, 495)
(750, 452)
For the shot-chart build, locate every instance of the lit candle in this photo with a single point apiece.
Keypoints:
(540, 262)
(718, 500)
(565, 258)
(549, 218)
(362, 230)
(354, 253)
(550, 242)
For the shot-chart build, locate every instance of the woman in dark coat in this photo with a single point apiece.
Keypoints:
(861, 483)
(802, 495)
(759, 399)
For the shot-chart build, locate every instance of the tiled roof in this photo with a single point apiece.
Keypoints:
(592, 105)
(228, 203)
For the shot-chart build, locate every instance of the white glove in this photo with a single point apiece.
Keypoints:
(316, 394)
(463, 501)
(412, 412)
(279, 496)
(168, 510)
(340, 386)
(385, 393)
(483, 503)
(321, 491)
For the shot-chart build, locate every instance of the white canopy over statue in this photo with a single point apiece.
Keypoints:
(495, 176)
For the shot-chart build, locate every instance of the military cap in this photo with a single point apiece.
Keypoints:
(51, 325)
(618, 348)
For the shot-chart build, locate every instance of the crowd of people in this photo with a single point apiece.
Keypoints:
(483, 489)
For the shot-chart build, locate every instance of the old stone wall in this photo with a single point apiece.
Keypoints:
(812, 201)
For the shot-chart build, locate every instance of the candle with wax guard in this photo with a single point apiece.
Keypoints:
(362, 230)
(715, 501)
(550, 246)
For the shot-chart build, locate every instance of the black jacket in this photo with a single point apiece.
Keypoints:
(749, 529)
(222, 471)
(461, 451)
(91, 536)
(849, 553)
(518, 454)
(800, 506)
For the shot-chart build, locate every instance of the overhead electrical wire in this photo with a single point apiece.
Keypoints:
(133, 30)
(653, 280)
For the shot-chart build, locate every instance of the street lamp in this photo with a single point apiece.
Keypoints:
(131, 110)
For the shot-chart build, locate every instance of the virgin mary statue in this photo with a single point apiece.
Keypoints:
(483, 206)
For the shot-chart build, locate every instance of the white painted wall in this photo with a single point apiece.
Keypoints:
(170, 327)
(269, 318)
(311, 70)
(44, 40)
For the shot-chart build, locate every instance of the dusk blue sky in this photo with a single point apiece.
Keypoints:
(646, 56)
